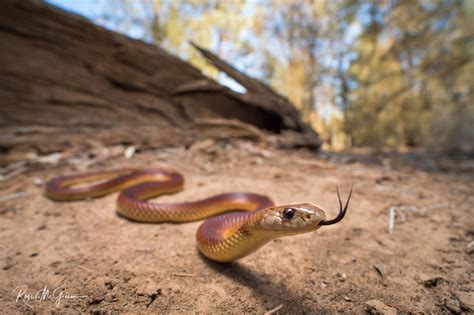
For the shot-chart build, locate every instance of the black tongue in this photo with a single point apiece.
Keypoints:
(342, 211)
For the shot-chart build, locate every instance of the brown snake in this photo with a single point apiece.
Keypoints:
(224, 237)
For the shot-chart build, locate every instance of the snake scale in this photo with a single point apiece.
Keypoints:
(223, 237)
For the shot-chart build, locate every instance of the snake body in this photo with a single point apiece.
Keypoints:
(223, 237)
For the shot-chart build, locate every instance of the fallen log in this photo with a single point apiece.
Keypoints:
(70, 80)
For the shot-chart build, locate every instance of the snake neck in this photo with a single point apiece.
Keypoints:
(233, 235)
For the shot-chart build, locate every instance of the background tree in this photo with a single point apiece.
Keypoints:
(381, 73)
(411, 57)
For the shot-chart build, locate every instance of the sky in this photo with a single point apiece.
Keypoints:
(92, 10)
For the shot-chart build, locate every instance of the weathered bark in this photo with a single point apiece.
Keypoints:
(63, 73)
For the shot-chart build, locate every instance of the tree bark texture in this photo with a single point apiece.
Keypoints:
(64, 79)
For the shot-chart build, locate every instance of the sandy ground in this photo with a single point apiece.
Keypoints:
(99, 262)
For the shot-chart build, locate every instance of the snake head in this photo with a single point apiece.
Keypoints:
(292, 219)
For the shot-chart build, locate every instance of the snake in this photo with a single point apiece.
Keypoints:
(236, 225)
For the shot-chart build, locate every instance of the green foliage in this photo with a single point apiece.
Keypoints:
(413, 83)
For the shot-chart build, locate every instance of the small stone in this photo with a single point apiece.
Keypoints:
(110, 283)
(38, 181)
(470, 248)
(94, 300)
(348, 299)
(453, 305)
(378, 307)
(129, 152)
(341, 276)
(150, 289)
(466, 299)
(33, 254)
(430, 281)
(436, 218)
(323, 285)
(52, 158)
(7, 267)
(455, 239)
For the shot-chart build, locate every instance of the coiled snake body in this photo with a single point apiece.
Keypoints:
(224, 236)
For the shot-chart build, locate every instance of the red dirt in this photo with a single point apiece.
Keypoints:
(84, 248)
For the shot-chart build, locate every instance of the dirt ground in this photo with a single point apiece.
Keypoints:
(99, 262)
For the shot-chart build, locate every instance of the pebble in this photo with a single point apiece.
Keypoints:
(453, 305)
(430, 281)
(52, 158)
(378, 307)
(9, 265)
(149, 288)
(470, 248)
(129, 152)
(341, 276)
(110, 283)
(38, 181)
(466, 299)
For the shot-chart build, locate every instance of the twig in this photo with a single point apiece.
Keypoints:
(402, 217)
(176, 274)
(13, 173)
(438, 206)
(12, 167)
(274, 310)
(16, 195)
(391, 220)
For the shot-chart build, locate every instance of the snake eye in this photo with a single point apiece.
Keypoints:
(288, 213)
